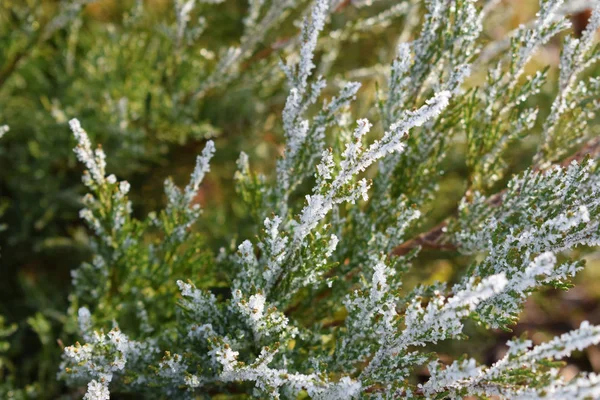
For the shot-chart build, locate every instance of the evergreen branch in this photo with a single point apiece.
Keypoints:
(436, 239)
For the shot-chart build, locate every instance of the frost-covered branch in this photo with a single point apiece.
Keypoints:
(577, 56)
(463, 378)
(314, 304)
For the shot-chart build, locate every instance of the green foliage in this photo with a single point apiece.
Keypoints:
(308, 273)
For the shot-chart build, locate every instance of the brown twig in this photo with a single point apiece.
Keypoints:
(434, 239)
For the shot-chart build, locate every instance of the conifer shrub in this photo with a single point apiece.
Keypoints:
(315, 302)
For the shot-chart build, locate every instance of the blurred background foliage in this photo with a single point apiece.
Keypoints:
(152, 96)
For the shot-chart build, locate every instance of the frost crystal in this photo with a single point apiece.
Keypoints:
(97, 391)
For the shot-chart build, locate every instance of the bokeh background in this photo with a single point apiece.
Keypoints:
(144, 96)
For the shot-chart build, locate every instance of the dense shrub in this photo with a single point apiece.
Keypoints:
(305, 285)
